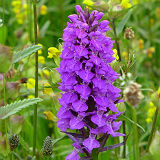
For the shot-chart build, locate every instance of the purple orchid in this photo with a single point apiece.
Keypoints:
(89, 97)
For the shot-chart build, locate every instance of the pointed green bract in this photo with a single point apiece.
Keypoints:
(123, 22)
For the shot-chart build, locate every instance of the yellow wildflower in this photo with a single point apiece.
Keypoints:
(49, 115)
(25, 6)
(16, 10)
(158, 12)
(40, 50)
(125, 55)
(41, 59)
(135, 1)
(151, 22)
(115, 54)
(20, 18)
(125, 4)
(31, 96)
(47, 89)
(16, 3)
(141, 44)
(31, 83)
(43, 10)
(88, 3)
(149, 120)
(150, 52)
(44, 73)
(150, 113)
(53, 52)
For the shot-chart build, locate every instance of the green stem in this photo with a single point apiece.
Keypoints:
(116, 149)
(124, 132)
(95, 154)
(135, 131)
(29, 19)
(116, 39)
(36, 76)
(11, 155)
(4, 89)
(5, 121)
(153, 128)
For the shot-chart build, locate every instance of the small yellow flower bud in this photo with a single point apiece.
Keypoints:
(47, 89)
(151, 22)
(53, 52)
(40, 51)
(31, 96)
(16, 3)
(141, 44)
(31, 83)
(41, 59)
(148, 120)
(158, 12)
(88, 3)
(125, 55)
(150, 52)
(115, 54)
(49, 115)
(20, 18)
(125, 4)
(43, 10)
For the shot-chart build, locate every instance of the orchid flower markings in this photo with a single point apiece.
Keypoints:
(89, 97)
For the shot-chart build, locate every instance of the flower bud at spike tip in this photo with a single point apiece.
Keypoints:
(13, 142)
(89, 98)
(5, 58)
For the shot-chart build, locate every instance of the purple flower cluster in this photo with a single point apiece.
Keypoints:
(89, 97)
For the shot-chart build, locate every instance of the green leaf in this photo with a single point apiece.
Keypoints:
(3, 34)
(15, 107)
(44, 28)
(122, 117)
(24, 53)
(143, 32)
(123, 22)
(55, 141)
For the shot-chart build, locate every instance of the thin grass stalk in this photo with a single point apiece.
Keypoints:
(16, 156)
(135, 132)
(36, 76)
(4, 85)
(3, 3)
(11, 155)
(153, 129)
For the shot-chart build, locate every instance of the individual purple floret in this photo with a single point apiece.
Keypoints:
(89, 97)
